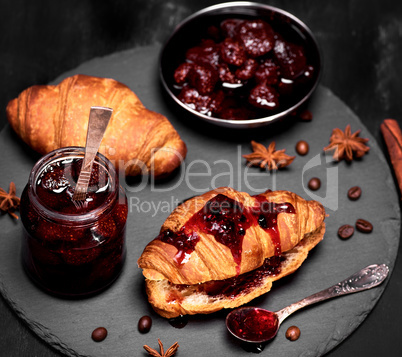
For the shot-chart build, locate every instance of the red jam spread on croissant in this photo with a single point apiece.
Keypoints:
(227, 220)
(267, 213)
(234, 286)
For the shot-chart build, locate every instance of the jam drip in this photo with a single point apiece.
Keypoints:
(184, 242)
(227, 220)
(222, 217)
(267, 216)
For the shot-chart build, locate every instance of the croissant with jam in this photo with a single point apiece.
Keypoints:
(139, 140)
(224, 248)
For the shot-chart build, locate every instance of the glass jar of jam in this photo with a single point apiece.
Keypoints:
(73, 248)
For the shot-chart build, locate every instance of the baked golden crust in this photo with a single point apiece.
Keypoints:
(212, 260)
(170, 300)
(47, 117)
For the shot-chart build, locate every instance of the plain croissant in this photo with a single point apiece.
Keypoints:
(175, 288)
(47, 117)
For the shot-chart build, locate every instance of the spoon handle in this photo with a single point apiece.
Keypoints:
(364, 279)
(98, 121)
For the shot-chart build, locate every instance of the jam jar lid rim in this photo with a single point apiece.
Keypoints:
(83, 218)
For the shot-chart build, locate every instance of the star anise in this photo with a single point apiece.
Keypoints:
(170, 352)
(9, 202)
(268, 157)
(347, 145)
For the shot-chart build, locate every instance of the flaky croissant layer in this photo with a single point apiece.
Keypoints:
(198, 244)
(138, 140)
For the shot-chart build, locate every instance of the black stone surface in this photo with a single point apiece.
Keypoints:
(362, 65)
(65, 324)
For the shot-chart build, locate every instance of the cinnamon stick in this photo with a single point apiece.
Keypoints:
(393, 139)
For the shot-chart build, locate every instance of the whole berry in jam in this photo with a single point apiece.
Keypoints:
(257, 37)
(247, 70)
(194, 99)
(264, 96)
(230, 27)
(203, 78)
(232, 52)
(291, 58)
(268, 72)
(227, 75)
(182, 72)
(248, 61)
(207, 53)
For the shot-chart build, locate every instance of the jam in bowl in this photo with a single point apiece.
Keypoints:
(240, 64)
(72, 248)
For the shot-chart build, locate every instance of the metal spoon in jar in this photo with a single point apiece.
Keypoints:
(256, 325)
(98, 121)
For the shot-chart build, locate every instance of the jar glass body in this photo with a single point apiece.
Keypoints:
(77, 251)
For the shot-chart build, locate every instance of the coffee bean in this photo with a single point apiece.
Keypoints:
(306, 115)
(346, 231)
(314, 184)
(364, 226)
(144, 324)
(99, 334)
(302, 147)
(354, 193)
(293, 333)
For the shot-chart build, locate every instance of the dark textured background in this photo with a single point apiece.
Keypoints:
(361, 43)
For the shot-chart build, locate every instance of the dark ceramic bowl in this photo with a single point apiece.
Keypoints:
(195, 28)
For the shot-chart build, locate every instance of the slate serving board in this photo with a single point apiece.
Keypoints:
(67, 325)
